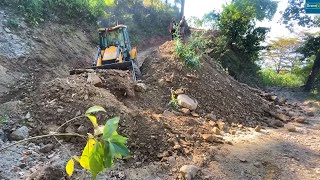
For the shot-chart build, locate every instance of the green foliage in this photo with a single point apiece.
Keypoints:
(269, 77)
(4, 119)
(295, 13)
(191, 51)
(264, 9)
(239, 45)
(174, 101)
(102, 148)
(13, 23)
(36, 11)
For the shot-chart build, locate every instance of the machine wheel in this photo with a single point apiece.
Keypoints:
(136, 71)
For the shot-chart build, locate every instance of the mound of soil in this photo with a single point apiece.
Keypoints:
(215, 91)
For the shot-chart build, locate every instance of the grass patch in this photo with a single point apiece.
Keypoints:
(269, 77)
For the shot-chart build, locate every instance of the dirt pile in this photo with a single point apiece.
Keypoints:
(216, 92)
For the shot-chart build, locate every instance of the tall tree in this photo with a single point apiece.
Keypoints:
(295, 13)
(182, 8)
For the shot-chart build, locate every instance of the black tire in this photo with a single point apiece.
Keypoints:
(136, 71)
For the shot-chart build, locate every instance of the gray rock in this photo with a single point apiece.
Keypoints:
(186, 102)
(28, 115)
(189, 171)
(2, 135)
(19, 134)
(300, 119)
(46, 148)
(94, 80)
(7, 30)
(140, 87)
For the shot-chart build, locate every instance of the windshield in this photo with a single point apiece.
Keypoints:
(110, 38)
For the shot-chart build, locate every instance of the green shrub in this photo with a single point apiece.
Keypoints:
(269, 77)
(191, 51)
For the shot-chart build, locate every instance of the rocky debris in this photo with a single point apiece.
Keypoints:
(140, 87)
(221, 124)
(216, 131)
(291, 128)
(257, 128)
(168, 113)
(280, 101)
(282, 117)
(185, 111)
(19, 134)
(232, 132)
(161, 82)
(50, 172)
(195, 114)
(211, 116)
(292, 114)
(179, 91)
(189, 171)
(2, 135)
(186, 102)
(277, 123)
(46, 148)
(7, 30)
(94, 79)
(300, 119)
(310, 113)
(211, 138)
(242, 159)
(70, 129)
(27, 116)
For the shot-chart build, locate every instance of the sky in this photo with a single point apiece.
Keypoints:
(200, 7)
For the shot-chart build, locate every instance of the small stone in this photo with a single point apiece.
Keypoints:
(211, 138)
(186, 102)
(212, 123)
(140, 87)
(280, 101)
(176, 147)
(194, 114)
(59, 110)
(70, 129)
(7, 30)
(162, 82)
(216, 131)
(232, 132)
(185, 111)
(189, 171)
(257, 164)
(28, 115)
(242, 159)
(46, 148)
(300, 119)
(78, 113)
(179, 91)
(19, 134)
(82, 130)
(164, 154)
(291, 129)
(211, 116)
(94, 79)
(240, 126)
(292, 114)
(258, 128)
(168, 113)
(283, 117)
(220, 124)
(310, 113)
(273, 98)
(277, 123)
(86, 97)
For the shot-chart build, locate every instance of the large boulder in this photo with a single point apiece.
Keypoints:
(186, 102)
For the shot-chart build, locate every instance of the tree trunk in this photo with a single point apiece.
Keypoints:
(314, 72)
(182, 9)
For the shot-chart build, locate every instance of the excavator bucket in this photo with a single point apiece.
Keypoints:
(121, 66)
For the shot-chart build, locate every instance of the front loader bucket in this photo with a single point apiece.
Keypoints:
(121, 66)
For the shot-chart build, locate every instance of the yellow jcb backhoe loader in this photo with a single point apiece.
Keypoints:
(115, 52)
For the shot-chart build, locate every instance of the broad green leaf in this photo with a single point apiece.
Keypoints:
(93, 119)
(109, 153)
(84, 159)
(70, 167)
(121, 149)
(110, 127)
(96, 161)
(109, 2)
(94, 109)
(118, 139)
